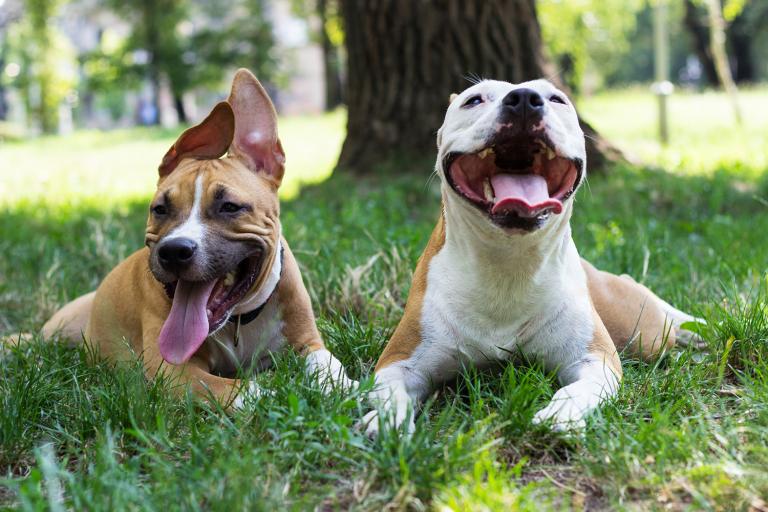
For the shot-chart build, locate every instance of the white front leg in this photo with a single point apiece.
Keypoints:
(323, 366)
(586, 384)
(393, 402)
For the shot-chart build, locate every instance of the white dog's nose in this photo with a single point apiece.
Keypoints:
(525, 102)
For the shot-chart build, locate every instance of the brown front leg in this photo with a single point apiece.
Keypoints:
(194, 374)
(300, 330)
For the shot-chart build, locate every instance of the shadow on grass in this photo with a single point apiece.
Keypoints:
(358, 239)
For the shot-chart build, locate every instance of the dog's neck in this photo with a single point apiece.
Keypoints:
(499, 255)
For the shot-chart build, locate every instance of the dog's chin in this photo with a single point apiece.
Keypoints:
(231, 287)
(518, 184)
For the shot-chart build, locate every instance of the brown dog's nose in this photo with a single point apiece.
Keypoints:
(176, 254)
(524, 102)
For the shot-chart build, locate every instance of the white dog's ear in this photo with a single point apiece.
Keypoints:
(255, 140)
(451, 98)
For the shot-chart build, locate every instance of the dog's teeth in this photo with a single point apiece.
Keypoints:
(550, 154)
(229, 279)
(488, 190)
(484, 153)
(210, 313)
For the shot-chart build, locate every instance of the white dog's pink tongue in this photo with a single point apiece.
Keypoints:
(186, 327)
(525, 194)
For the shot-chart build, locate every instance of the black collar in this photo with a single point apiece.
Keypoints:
(250, 316)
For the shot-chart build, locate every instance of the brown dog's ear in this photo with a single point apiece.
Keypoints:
(256, 140)
(207, 140)
(452, 97)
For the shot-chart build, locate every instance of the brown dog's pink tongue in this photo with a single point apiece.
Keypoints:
(526, 194)
(186, 327)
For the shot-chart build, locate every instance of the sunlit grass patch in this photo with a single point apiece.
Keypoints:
(704, 136)
(107, 168)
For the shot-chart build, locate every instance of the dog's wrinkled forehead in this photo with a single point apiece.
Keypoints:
(472, 116)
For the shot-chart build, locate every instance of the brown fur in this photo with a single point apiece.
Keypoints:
(630, 312)
(407, 336)
(123, 318)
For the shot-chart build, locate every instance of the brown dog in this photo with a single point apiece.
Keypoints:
(217, 288)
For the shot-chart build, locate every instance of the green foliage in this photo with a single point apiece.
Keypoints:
(47, 62)
(188, 42)
(586, 35)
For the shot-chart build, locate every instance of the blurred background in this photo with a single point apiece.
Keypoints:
(93, 91)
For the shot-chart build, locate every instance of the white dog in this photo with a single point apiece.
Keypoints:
(501, 274)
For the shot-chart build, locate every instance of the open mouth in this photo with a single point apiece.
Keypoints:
(518, 183)
(200, 308)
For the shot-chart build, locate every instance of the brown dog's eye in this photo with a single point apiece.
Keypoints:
(160, 210)
(556, 99)
(229, 207)
(473, 101)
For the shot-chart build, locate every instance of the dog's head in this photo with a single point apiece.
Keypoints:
(515, 152)
(213, 229)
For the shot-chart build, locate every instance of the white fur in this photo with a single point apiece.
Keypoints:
(250, 391)
(394, 397)
(593, 383)
(492, 293)
(258, 340)
(327, 370)
(192, 228)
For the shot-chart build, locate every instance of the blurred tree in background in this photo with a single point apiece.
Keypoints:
(8, 16)
(187, 43)
(42, 53)
(330, 36)
(397, 52)
(584, 35)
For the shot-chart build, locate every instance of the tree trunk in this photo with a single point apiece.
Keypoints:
(181, 112)
(740, 38)
(717, 41)
(153, 49)
(405, 58)
(3, 99)
(699, 33)
(331, 64)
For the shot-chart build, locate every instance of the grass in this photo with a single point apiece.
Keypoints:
(687, 433)
(119, 166)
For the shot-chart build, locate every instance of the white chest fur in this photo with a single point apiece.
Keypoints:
(256, 341)
(485, 312)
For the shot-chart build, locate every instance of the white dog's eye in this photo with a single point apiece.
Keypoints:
(556, 99)
(473, 101)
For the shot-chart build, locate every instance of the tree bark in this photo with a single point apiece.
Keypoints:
(406, 57)
(331, 64)
(3, 99)
(181, 112)
(699, 33)
(153, 49)
(717, 42)
(740, 38)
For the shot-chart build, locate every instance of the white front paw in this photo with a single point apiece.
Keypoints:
(249, 392)
(373, 422)
(565, 414)
(328, 371)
